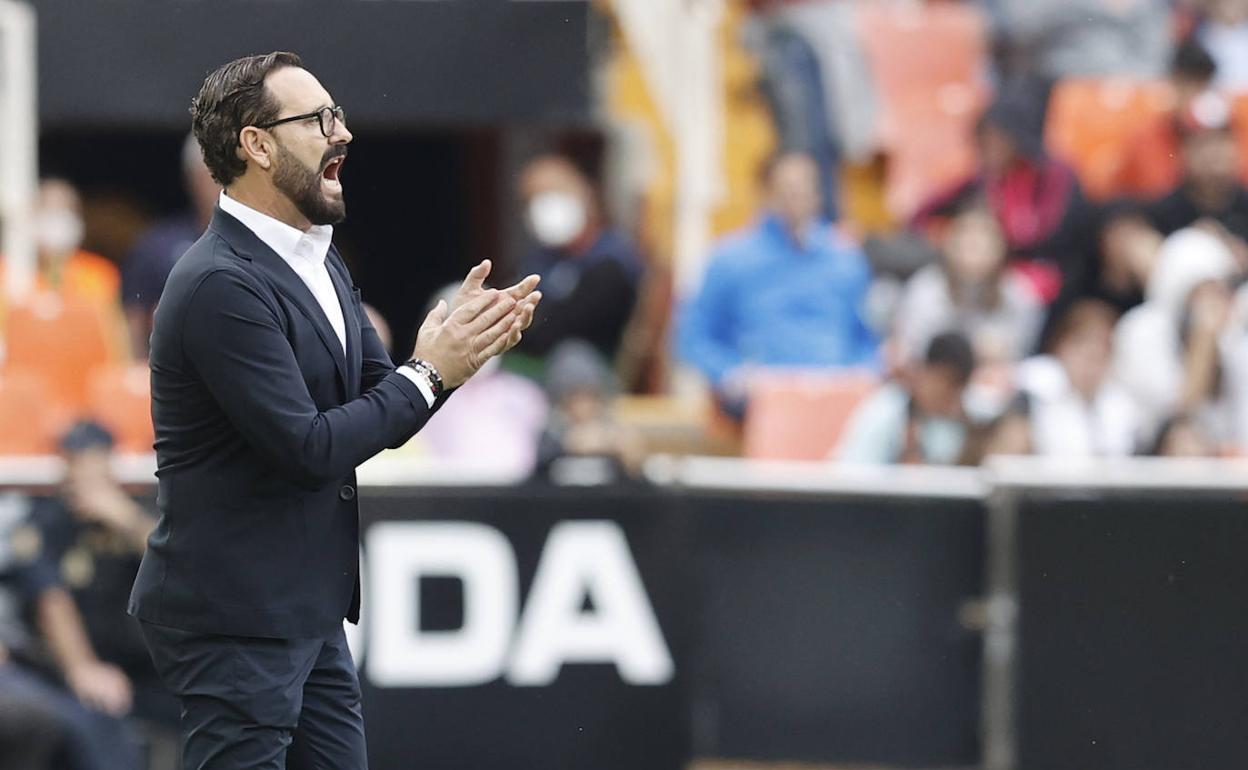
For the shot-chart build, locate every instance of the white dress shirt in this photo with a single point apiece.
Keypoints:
(305, 253)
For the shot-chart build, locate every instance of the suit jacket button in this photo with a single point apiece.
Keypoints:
(347, 492)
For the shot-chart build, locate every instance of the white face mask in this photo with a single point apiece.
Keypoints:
(58, 230)
(556, 218)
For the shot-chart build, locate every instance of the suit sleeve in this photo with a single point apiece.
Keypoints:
(377, 365)
(233, 339)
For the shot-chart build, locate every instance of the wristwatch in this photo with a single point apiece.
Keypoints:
(429, 373)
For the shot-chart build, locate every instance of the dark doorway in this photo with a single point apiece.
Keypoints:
(422, 205)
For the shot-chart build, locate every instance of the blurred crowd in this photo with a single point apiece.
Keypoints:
(1035, 303)
(1017, 307)
(1091, 314)
(1078, 313)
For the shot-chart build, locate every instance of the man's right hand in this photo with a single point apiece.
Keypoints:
(459, 343)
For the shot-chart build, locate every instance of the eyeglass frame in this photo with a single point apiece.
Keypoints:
(337, 113)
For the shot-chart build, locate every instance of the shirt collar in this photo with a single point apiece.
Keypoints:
(777, 229)
(290, 243)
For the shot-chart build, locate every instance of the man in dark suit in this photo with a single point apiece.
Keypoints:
(269, 386)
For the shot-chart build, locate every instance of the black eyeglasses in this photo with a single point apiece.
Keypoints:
(326, 115)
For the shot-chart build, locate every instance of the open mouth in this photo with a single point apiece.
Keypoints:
(330, 178)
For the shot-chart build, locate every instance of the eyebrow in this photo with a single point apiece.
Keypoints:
(314, 109)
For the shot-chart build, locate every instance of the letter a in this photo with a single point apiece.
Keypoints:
(588, 558)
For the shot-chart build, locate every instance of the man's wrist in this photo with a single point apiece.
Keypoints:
(425, 377)
(429, 371)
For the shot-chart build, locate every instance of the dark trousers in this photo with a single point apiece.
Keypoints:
(262, 704)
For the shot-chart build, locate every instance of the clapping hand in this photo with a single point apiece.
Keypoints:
(524, 293)
(474, 285)
(478, 324)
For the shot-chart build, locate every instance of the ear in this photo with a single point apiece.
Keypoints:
(257, 146)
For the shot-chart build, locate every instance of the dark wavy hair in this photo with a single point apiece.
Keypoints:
(232, 97)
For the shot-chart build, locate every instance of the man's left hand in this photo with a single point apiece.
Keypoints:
(524, 293)
(474, 284)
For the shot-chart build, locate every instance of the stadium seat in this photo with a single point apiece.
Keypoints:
(28, 421)
(119, 396)
(928, 63)
(62, 339)
(930, 161)
(1091, 122)
(1239, 108)
(801, 416)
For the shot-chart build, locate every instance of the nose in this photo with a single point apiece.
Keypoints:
(341, 134)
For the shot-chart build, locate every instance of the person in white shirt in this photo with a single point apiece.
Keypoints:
(918, 419)
(970, 291)
(1076, 407)
(269, 387)
(1166, 351)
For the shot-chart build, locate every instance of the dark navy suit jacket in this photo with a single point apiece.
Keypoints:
(260, 422)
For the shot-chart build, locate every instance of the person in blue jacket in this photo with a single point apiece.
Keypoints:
(786, 292)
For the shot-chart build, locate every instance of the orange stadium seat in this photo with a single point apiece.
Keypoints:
(1091, 122)
(28, 421)
(928, 63)
(62, 339)
(801, 416)
(1239, 109)
(120, 397)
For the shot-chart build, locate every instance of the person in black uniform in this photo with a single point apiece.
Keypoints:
(67, 650)
(92, 534)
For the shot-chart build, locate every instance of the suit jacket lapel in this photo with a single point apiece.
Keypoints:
(291, 285)
(346, 298)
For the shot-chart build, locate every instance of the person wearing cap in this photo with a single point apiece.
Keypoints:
(92, 534)
(69, 564)
(1210, 191)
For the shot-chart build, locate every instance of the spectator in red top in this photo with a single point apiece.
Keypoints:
(1048, 225)
(1152, 164)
